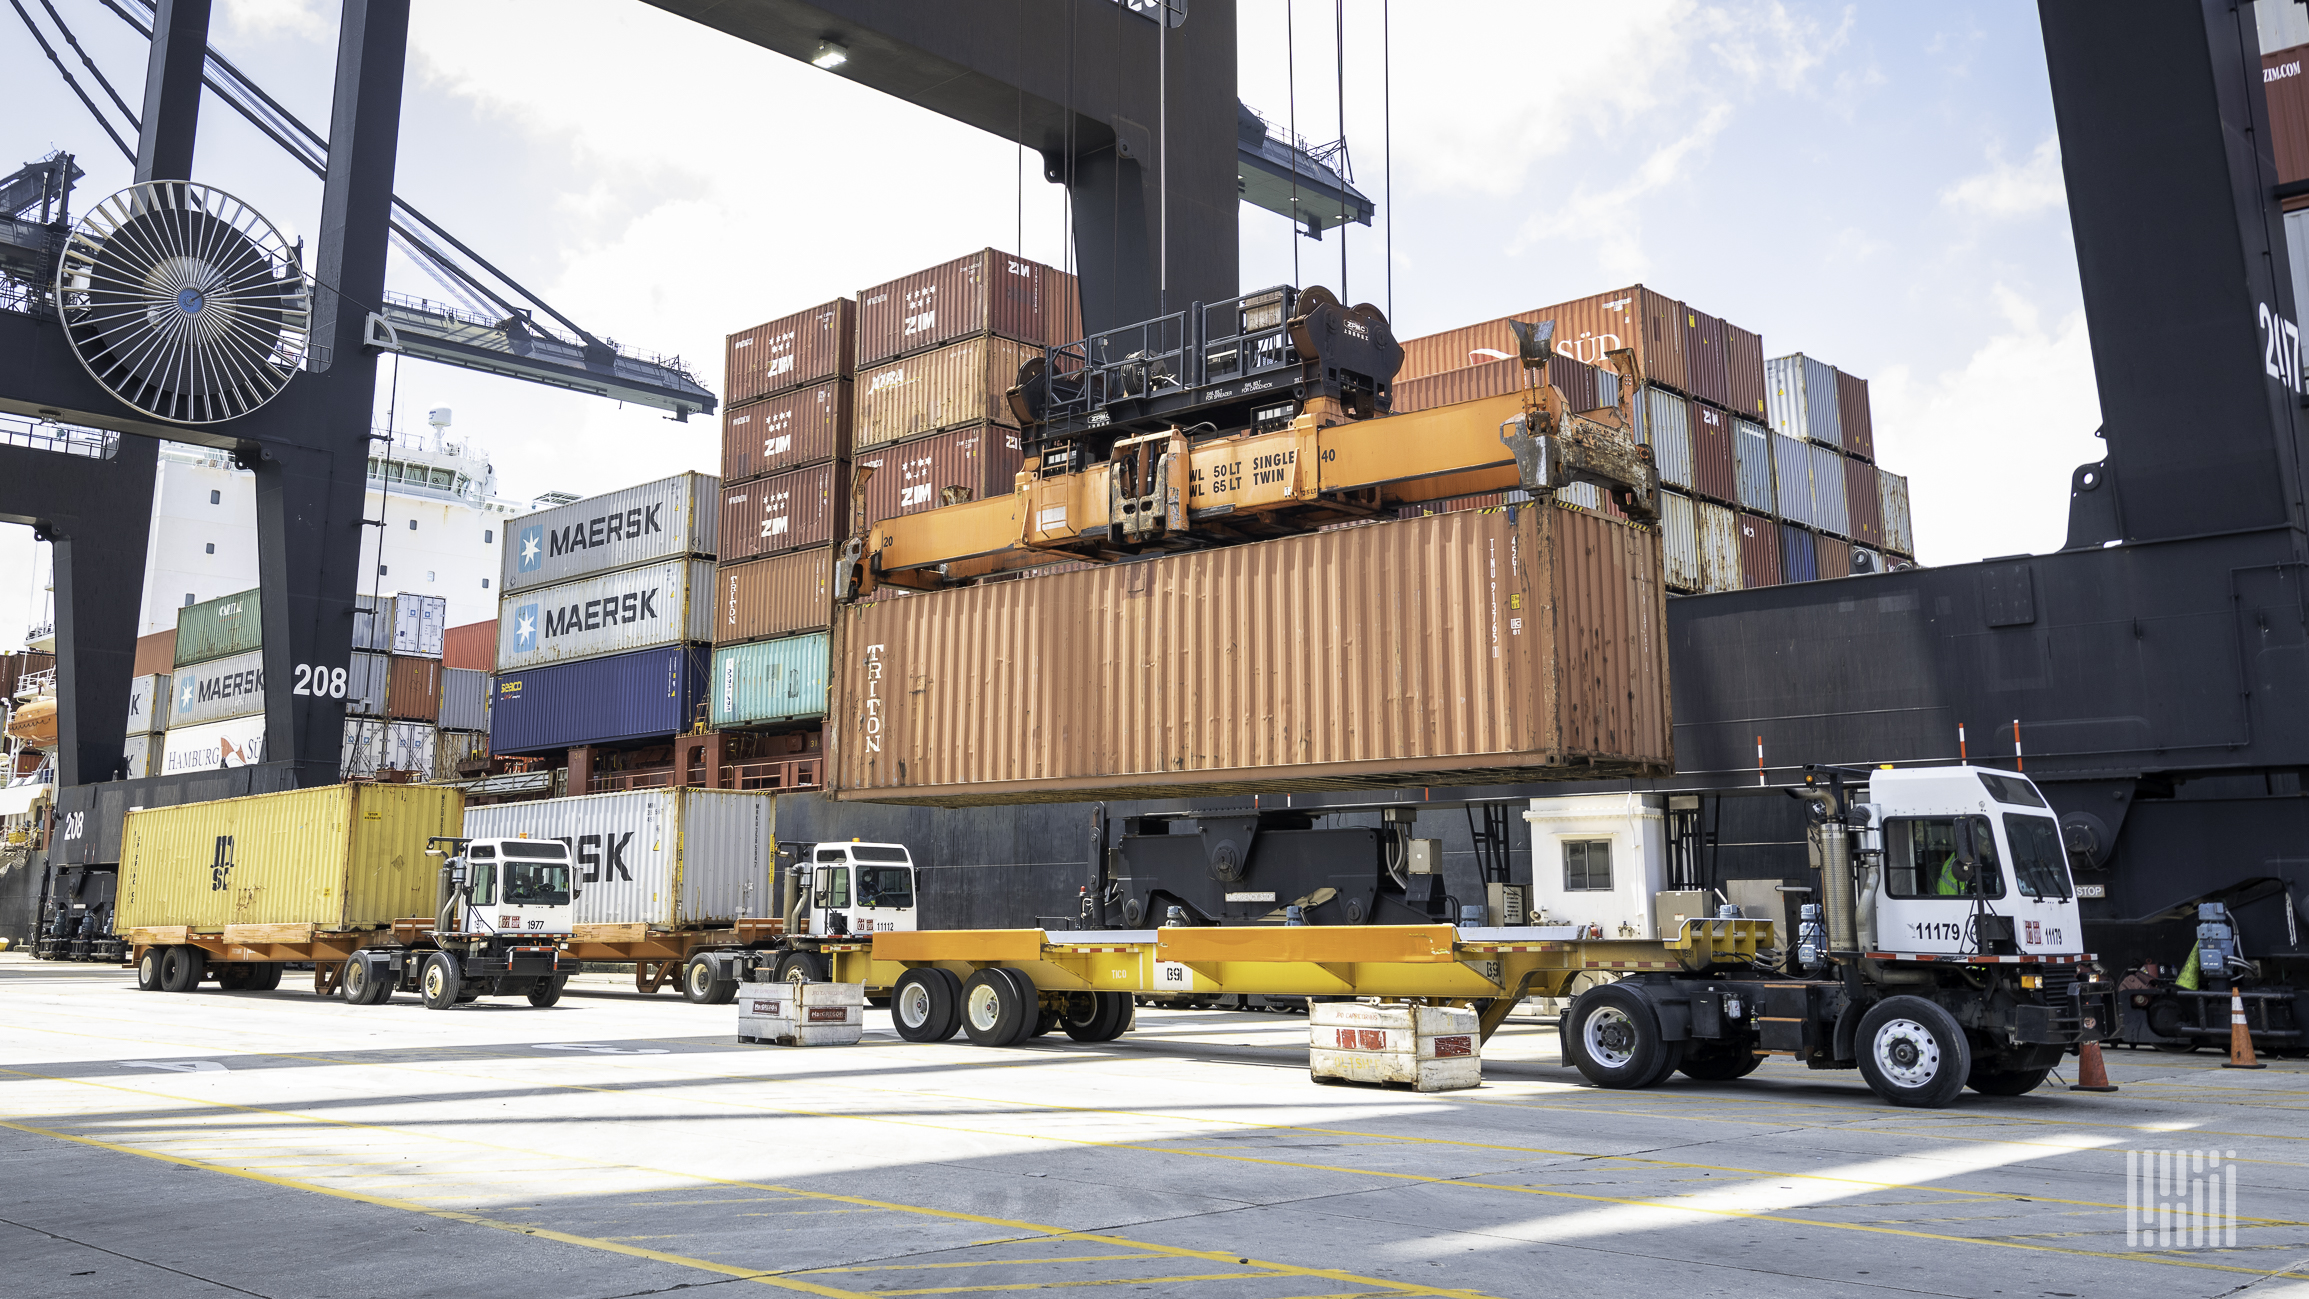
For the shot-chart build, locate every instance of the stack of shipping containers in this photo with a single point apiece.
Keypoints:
(1759, 477)
(215, 709)
(602, 628)
(394, 688)
(468, 656)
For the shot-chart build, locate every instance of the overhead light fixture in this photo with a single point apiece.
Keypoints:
(830, 56)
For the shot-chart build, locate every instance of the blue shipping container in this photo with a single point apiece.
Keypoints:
(770, 680)
(1828, 506)
(1668, 431)
(1799, 561)
(1752, 463)
(1792, 471)
(648, 693)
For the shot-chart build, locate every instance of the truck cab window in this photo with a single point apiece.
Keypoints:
(885, 886)
(2011, 789)
(2039, 862)
(536, 884)
(833, 886)
(482, 875)
(1923, 858)
(833, 855)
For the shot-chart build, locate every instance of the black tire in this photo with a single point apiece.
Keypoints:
(702, 985)
(547, 992)
(1613, 1038)
(440, 981)
(148, 965)
(1109, 1018)
(2005, 1082)
(994, 1010)
(182, 968)
(358, 984)
(801, 967)
(266, 976)
(1913, 1053)
(234, 978)
(1720, 1064)
(1045, 1019)
(924, 1005)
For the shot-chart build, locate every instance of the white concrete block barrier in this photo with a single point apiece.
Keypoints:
(802, 1014)
(1430, 1048)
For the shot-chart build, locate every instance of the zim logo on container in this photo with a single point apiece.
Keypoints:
(220, 867)
(532, 549)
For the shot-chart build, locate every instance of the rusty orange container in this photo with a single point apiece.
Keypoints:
(963, 383)
(787, 431)
(987, 292)
(1585, 330)
(778, 596)
(1458, 649)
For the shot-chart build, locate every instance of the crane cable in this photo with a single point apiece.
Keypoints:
(1387, 134)
(70, 80)
(1339, 54)
(1291, 91)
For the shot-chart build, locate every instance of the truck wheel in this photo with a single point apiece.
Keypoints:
(923, 1005)
(441, 982)
(148, 963)
(1613, 1037)
(1913, 1053)
(994, 1011)
(234, 978)
(1045, 1019)
(353, 984)
(547, 992)
(700, 984)
(801, 967)
(1721, 1064)
(265, 977)
(2005, 1082)
(181, 969)
(1109, 1017)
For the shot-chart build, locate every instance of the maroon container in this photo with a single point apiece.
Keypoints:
(1713, 475)
(988, 292)
(1759, 551)
(912, 476)
(2288, 93)
(1859, 432)
(801, 507)
(1744, 374)
(791, 352)
(1585, 330)
(1498, 379)
(1834, 557)
(1863, 507)
(786, 431)
(1707, 369)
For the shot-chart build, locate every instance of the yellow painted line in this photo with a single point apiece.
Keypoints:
(991, 1262)
(1067, 1285)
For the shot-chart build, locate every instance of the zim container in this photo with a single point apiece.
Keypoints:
(645, 695)
(1457, 649)
(1714, 474)
(803, 348)
(910, 477)
(1759, 551)
(786, 432)
(1719, 542)
(1752, 466)
(962, 383)
(215, 629)
(987, 292)
(336, 857)
(665, 858)
(770, 681)
(637, 525)
(614, 613)
(777, 596)
(800, 507)
(217, 689)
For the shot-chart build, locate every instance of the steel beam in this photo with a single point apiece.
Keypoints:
(171, 117)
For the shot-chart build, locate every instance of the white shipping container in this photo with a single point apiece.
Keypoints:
(418, 621)
(1719, 539)
(464, 699)
(373, 747)
(142, 754)
(668, 858)
(217, 689)
(213, 746)
(615, 613)
(148, 704)
(1679, 542)
(656, 521)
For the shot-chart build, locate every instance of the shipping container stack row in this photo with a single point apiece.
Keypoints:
(1769, 466)
(406, 716)
(905, 384)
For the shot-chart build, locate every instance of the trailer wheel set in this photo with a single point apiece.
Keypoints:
(999, 1006)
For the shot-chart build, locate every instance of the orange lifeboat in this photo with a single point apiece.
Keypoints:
(34, 722)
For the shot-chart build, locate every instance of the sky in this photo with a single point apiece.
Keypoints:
(1875, 185)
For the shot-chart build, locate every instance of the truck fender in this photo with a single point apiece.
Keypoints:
(1847, 1028)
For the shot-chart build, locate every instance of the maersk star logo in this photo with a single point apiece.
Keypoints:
(532, 548)
(185, 697)
(525, 627)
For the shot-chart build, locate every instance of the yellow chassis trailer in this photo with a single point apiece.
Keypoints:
(1437, 963)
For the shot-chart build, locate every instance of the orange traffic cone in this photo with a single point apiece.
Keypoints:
(2092, 1073)
(2240, 1038)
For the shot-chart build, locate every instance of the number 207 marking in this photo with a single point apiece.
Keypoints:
(319, 682)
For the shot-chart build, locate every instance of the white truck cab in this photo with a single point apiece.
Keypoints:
(1965, 853)
(518, 888)
(859, 888)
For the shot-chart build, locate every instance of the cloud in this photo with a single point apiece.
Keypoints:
(301, 18)
(2009, 189)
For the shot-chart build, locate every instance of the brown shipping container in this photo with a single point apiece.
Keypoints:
(949, 388)
(1454, 650)
(1834, 558)
(1744, 378)
(910, 477)
(786, 431)
(801, 507)
(154, 653)
(1863, 509)
(1705, 362)
(1759, 551)
(792, 351)
(2288, 93)
(413, 689)
(1712, 471)
(1852, 413)
(1585, 330)
(778, 596)
(988, 292)
(1495, 379)
(473, 645)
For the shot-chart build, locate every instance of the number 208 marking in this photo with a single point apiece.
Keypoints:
(319, 682)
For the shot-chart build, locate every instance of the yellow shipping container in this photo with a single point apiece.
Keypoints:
(337, 857)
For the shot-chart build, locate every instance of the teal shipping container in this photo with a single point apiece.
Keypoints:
(215, 629)
(770, 681)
